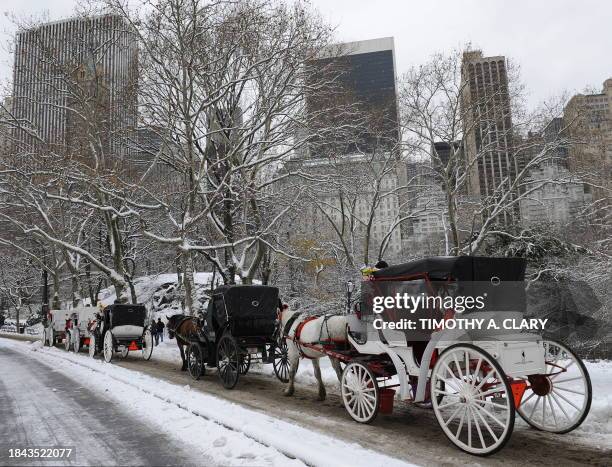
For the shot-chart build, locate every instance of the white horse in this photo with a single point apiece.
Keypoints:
(313, 331)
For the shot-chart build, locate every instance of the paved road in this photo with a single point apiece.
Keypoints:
(40, 407)
(410, 433)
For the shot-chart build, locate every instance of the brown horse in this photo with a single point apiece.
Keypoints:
(183, 327)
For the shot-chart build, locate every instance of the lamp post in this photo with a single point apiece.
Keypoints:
(350, 286)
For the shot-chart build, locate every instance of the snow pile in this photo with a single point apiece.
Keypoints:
(599, 420)
(161, 294)
(227, 432)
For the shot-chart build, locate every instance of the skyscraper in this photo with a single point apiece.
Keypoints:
(487, 126)
(362, 78)
(357, 135)
(70, 77)
(589, 119)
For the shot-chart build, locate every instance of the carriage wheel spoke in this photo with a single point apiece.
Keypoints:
(554, 398)
(568, 380)
(566, 399)
(482, 443)
(458, 366)
(489, 429)
(529, 397)
(552, 410)
(469, 427)
(570, 390)
(461, 420)
(503, 425)
(452, 417)
(491, 391)
(493, 404)
(484, 380)
(535, 406)
(476, 372)
(448, 404)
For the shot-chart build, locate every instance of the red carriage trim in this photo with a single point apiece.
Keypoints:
(133, 346)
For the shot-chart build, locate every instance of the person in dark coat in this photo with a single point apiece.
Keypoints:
(160, 329)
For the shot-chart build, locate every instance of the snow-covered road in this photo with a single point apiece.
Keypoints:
(214, 430)
(41, 407)
(318, 433)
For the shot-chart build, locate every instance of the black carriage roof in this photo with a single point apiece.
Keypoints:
(120, 307)
(233, 290)
(248, 298)
(464, 268)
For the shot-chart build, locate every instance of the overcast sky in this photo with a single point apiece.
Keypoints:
(560, 45)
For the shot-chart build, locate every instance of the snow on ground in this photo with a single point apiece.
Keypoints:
(596, 429)
(227, 432)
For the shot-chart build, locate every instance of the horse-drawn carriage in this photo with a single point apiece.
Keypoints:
(240, 326)
(69, 326)
(54, 327)
(475, 380)
(121, 328)
(77, 329)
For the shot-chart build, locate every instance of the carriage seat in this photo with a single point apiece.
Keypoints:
(127, 330)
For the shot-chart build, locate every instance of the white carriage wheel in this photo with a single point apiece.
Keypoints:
(147, 344)
(477, 410)
(109, 346)
(360, 392)
(560, 400)
(125, 351)
(67, 340)
(43, 338)
(51, 336)
(76, 340)
(92, 345)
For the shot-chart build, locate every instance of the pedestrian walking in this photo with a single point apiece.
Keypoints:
(160, 329)
(155, 333)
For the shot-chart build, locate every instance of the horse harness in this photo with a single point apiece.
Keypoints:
(298, 330)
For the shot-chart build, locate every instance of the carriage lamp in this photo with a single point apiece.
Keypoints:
(350, 286)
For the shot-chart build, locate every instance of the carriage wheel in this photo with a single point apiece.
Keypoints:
(92, 345)
(44, 339)
(195, 362)
(360, 392)
(228, 361)
(559, 400)
(67, 340)
(51, 336)
(477, 412)
(124, 352)
(109, 346)
(147, 345)
(281, 361)
(76, 340)
(245, 363)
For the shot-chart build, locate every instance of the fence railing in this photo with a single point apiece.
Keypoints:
(12, 329)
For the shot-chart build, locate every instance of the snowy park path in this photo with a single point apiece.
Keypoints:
(41, 407)
(220, 432)
(410, 433)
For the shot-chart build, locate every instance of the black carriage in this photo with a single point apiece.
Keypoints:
(121, 328)
(241, 325)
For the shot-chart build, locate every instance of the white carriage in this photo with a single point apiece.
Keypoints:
(69, 326)
(121, 328)
(475, 383)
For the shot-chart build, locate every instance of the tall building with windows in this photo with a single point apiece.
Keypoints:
(361, 82)
(361, 92)
(589, 119)
(488, 128)
(72, 78)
